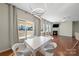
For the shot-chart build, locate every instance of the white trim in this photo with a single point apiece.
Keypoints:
(5, 50)
(70, 35)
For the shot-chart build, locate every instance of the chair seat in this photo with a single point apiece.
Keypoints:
(23, 53)
(51, 45)
(49, 54)
(19, 54)
(48, 49)
(26, 52)
(21, 50)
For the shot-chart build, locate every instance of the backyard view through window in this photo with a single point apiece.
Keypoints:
(25, 28)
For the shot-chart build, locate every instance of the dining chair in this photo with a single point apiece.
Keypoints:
(77, 38)
(47, 50)
(72, 51)
(20, 49)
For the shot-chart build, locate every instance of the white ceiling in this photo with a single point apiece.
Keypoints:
(55, 12)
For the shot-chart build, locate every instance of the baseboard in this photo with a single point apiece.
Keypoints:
(5, 50)
(65, 35)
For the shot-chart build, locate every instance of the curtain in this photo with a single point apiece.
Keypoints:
(13, 35)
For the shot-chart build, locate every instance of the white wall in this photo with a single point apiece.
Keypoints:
(8, 33)
(75, 27)
(66, 29)
(4, 27)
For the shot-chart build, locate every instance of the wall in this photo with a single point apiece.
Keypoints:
(75, 27)
(4, 27)
(66, 28)
(8, 32)
(12, 25)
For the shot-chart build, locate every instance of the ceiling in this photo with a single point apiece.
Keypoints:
(54, 12)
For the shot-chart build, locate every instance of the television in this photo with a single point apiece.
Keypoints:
(55, 25)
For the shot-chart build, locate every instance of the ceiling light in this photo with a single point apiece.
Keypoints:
(38, 11)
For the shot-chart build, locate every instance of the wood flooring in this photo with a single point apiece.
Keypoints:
(64, 47)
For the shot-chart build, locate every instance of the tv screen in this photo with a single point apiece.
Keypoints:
(55, 25)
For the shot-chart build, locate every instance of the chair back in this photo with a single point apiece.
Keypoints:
(15, 47)
(77, 36)
(18, 46)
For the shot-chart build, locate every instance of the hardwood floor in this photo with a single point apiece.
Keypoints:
(65, 45)
(6, 53)
(63, 49)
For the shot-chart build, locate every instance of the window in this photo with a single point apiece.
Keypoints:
(41, 27)
(29, 25)
(25, 24)
(47, 27)
(21, 29)
(25, 28)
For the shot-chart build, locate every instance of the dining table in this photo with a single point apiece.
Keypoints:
(36, 43)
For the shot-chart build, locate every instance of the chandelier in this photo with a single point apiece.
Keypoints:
(38, 12)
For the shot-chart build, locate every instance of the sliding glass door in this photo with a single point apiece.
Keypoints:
(25, 25)
(25, 28)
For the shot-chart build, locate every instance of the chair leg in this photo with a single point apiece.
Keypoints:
(75, 45)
